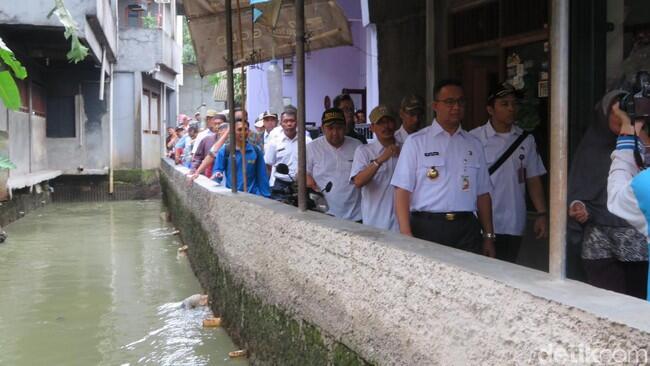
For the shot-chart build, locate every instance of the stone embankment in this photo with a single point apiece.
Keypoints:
(304, 289)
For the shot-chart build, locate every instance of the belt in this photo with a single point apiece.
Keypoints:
(449, 216)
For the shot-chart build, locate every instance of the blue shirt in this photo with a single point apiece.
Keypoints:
(181, 142)
(256, 178)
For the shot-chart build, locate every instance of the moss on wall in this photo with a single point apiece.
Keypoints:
(137, 176)
(269, 333)
(22, 202)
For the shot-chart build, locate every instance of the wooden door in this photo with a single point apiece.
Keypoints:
(479, 75)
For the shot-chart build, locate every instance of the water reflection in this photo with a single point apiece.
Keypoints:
(101, 284)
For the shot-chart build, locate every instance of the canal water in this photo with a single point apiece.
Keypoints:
(101, 284)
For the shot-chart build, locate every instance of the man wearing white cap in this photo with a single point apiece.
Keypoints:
(271, 128)
(209, 126)
(283, 149)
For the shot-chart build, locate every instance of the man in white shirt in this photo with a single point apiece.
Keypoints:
(208, 131)
(522, 169)
(283, 149)
(271, 128)
(329, 159)
(441, 180)
(411, 112)
(372, 170)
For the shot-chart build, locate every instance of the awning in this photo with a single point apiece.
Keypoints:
(325, 26)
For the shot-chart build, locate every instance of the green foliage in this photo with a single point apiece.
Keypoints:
(78, 51)
(149, 21)
(5, 163)
(9, 93)
(216, 78)
(9, 59)
(189, 56)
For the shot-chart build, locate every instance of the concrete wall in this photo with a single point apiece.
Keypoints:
(293, 288)
(150, 151)
(34, 12)
(142, 49)
(327, 71)
(125, 128)
(196, 91)
(139, 49)
(401, 41)
(19, 149)
(90, 148)
(39, 156)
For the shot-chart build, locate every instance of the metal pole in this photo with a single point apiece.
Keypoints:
(430, 56)
(300, 81)
(111, 139)
(243, 97)
(231, 98)
(559, 123)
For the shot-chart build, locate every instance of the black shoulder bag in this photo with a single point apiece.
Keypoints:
(506, 154)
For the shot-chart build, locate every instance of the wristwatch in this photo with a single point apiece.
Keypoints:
(490, 236)
(375, 163)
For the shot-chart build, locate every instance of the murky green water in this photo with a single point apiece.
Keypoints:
(101, 284)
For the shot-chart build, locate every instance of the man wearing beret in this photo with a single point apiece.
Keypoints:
(373, 169)
(412, 113)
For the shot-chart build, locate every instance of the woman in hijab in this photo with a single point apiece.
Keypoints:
(614, 255)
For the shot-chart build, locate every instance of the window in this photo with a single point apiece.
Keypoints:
(61, 121)
(150, 112)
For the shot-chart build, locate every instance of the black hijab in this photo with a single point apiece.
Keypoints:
(590, 165)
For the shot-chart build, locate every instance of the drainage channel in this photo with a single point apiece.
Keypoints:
(101, 284)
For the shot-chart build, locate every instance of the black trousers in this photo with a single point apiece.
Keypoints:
(507, 247)
(464, 232)
(630, 278)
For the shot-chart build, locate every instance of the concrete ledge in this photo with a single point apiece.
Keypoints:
(378, 297)
(27, 180)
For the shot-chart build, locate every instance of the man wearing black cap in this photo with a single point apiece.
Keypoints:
(517, 168)
(329, 159)
(411, 113)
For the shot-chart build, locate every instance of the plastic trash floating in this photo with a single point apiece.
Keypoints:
(239, 353)
(212, 322)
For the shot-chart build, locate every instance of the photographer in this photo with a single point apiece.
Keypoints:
(628, 184)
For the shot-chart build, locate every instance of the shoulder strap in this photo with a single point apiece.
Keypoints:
(506, 154)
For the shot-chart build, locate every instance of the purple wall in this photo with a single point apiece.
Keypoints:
(327, 71)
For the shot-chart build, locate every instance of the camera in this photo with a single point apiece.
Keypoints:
(637, 103)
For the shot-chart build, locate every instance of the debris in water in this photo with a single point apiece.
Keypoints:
(238, 353)
(183, 249)
(3, 236)
(195, 301)
(212, 322)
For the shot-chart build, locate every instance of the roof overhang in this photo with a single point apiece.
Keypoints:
(325, 26)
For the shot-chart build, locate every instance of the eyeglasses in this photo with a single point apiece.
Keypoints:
(452, 102)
